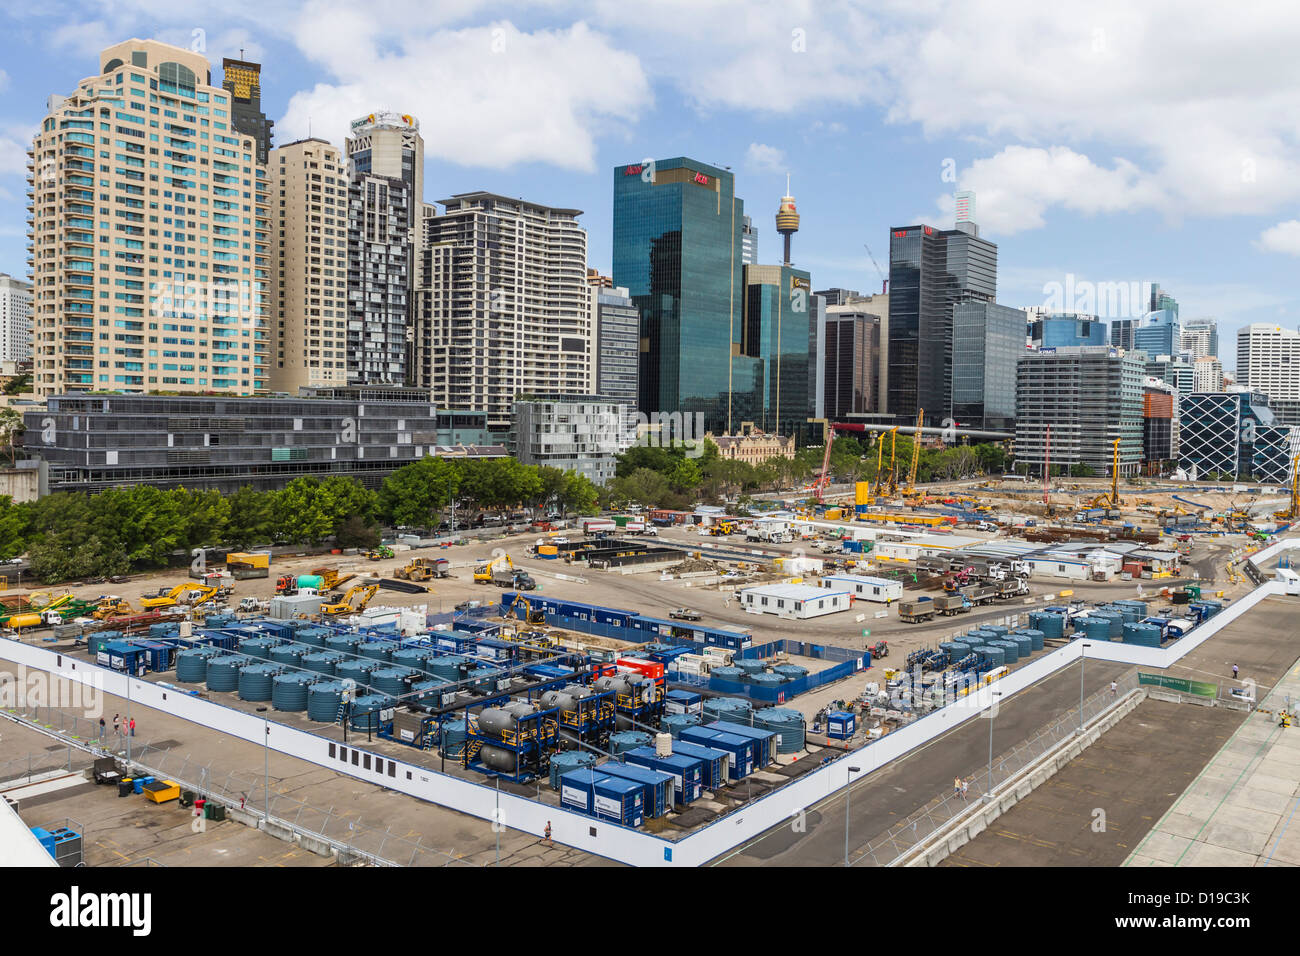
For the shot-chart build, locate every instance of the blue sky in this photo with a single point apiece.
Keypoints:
(1114, 141)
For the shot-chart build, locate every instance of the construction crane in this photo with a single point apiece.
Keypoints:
(824, 479)
(1293, 509)
(884, 282)
(367, 591)
(880, 465)
(1113, 499)
(910, 491)
(893, 462)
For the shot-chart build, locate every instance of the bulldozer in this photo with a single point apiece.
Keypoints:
(112, 607)
(367, 591)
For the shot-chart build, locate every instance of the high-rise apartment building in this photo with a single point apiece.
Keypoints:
(1268, 360)
(930, 270)
(150, 233)
(1088, 397)
(618, 345)
(385, 207)
(505, 308)
(310, 199)
(243, 81)
(15, 319)
(1201, 339)
(748, 242)
(1207, 375)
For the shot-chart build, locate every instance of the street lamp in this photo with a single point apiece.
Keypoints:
(988, 791)
(1083, 660)
(848, 792)
(266, 773)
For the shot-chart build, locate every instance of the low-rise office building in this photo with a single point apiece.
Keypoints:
(581, 433)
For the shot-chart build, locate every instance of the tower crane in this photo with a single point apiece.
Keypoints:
(884, 280)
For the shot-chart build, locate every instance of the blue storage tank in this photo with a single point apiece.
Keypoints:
(562, 763)
(322, 662)
(1143, 635)
(956, 650)
(223, 672)
(625, 740)
(768, 681)
(751, 665)
(449, 667)
(1010, 650)
(324, 698)
(164, 629)
(289, 691)
(365, 714)
(415, 658)
(714, 763)
(255, 681)
(1035, 637)
(288, 654)
(687, 772)
(1138, 607)
(393, 681)
(377, 650)
(1116, 622)
(656, 786)
(258, 647)
(675, 723)
(1052, 625)
(451, 739)
(997, 630)
(357, 670)
(429, 692)
(1023, 644)
(990, 656)
(1094, 628)
(736, 709)
(1127, 614)
(787, 724)
(342, 643)
(731, 674)
(192, 664)
(312, 636)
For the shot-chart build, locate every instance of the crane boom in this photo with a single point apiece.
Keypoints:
(916, 455)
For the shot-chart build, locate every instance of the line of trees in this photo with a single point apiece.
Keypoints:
(72, 535)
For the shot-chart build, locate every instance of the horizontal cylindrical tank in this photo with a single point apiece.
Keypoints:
(323, 701)
(289, 691)
(495, 721)
(557, 700)
(313, 581)
(255, 680)
(498, 758)
(617, 683)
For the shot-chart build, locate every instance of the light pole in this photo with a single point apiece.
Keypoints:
(496, 818)
(266, 772)
(128, 716)
(988, 791)
(1083, 660)
(848, 792)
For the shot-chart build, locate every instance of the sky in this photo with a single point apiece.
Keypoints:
(1107, 142)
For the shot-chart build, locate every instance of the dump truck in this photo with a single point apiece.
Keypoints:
(243, 565)
(512, 578)
(950, 604)
(980, 593)
(1012, 588)
(914, 612)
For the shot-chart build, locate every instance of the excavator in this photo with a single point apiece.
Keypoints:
(367, 591)
(483, 573)
(1292, 511)
(179, 595)
(531, 615)
(1111, 500)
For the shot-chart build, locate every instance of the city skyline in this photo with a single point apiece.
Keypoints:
(866, 145)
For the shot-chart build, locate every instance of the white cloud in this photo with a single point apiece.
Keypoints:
(1284, 237)
(765, 159)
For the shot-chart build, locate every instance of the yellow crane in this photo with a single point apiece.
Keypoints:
(1113, 499)
(1293, 509)
(880, 459)
(893, 462)
(367, 591)
(910, 491)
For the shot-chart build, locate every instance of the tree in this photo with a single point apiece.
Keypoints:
(11, 426)
(415, 494)
(14, 523)
(355, 533)
(250, 521)
(309, 510)
(643, 486)
(1080, 470)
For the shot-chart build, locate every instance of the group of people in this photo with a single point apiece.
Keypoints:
(117, 726)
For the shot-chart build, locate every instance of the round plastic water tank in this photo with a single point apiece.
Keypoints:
(451, 739)
(997, 630)
(1052, 625)
(1138, 607)
(192, 664)
(751, 665)
(356, 670)
(1127, 614)
(676, 723)
(1035, 637)
(767, 680)
(429, 692)
(562, 763)
(448, 667)
(1023, 644)
(377, 650)
(787, 724)
(790, 671)
(323, 701)
(482, 676)
(289, 691)
(626, 740)
(312, 636)
(223, 672)
(416, 658)
(957, 650)
(393, 681)
(1094, 628)
(259, 647)
(343, 643)
(734, 709)
(255, 681)
(322, 662)
(365, 712)
(1144, 635)
(1010, 650)
(290, 654)
(1116, 622)
(990, 656)
(733, 674)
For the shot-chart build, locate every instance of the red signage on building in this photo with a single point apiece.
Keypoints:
(701, 179)
(928, 230)
(900, 234)
(631, 170)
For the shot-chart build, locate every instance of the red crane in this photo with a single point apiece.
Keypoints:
(819, 486)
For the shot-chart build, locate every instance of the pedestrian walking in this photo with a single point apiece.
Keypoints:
(132, 726)
(117, 719)
(956, 786)
(1234, 671)
(102, 725)
(965, 784)
(1114, 689)
(546, 834)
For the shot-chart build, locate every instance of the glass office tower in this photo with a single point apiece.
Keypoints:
(678, 251)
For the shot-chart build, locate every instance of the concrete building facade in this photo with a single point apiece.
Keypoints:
(1268, 360)
(310, 186)
(15, 319)
(581, 433)
(150, 233)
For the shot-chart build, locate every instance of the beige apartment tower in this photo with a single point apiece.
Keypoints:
(310, 185)
(149, 228)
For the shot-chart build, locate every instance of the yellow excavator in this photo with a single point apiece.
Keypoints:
(367, 591)
(483, 573)
(180, 595)
(1111, 500)
(531, 615)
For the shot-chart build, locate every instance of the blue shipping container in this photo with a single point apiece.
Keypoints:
(740, 749)
(600, 795)
(764, 740)
(715, 763)
(657, 787)
(687, 772)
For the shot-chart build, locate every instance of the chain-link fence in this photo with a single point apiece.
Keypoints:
(354, 838)
(903, 837)
(17, 770)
